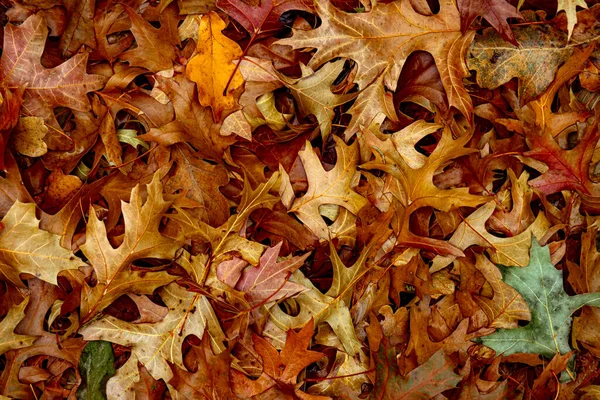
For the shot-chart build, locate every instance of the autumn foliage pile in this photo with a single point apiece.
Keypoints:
(299, 199)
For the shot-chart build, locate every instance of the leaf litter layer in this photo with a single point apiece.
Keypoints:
(299, 199)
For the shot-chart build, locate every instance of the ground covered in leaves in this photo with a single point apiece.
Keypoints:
(298, 199)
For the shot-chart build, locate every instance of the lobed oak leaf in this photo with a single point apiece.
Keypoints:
(10, 339)
(142, 239)
(157, 345)
(415, 177)
(45, 89)
(80, 27)
(212, 66)
(331, 307)
(313, 93)
(510, 251)
(226, 238)
(507, 306)
(328, 187)
(153, 52)
(381, 40)
(570, 9)
(567, 169)
(25, 248)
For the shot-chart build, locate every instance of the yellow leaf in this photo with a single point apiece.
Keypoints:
(11, 340)
(213, 64)
(25, 248)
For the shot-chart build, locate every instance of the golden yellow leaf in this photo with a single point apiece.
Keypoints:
(213, 64)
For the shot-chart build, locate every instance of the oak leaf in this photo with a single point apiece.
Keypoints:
(193, 123)
(313, 93)
(328, 187)
(505, 250)
(155, 345)
(10, 339)
(201, 182)
(506, 307)
(381, 40)
(416, 176)
(25, 248)
(153, 52)
(541, 285)
(331, 307)
(264, 17)
(280, 369)
(212, 66)
(426, 381)
(570, 9)
(142, 239)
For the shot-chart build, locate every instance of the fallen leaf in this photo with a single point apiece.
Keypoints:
(212, 66)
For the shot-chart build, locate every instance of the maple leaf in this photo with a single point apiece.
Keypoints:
(212, 66)
(328, 187)
(282, 368)
(211, 378)
(540, 284)
(496, 12)
(313, 93)
(142, 239)
(567, 169)
(381, 40)
(25, 248)
(266, 281)
(10, 339)
(153, 52)
(46, 89)
(157, 345)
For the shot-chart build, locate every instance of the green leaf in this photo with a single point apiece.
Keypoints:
(96, 366)
(541, 285)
